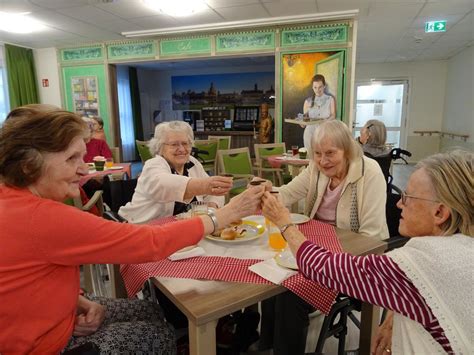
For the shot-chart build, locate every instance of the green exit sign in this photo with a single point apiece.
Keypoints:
(435, 26)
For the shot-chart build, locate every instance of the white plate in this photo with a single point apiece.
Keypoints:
(297, 218)
(286, 259)
(115, 167)
(254, 231)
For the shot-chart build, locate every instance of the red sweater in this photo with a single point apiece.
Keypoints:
(96, 147)
(42, 242)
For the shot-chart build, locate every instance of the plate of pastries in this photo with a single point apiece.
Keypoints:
(238, 232)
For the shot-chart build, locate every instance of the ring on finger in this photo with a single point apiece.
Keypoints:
(388, 350)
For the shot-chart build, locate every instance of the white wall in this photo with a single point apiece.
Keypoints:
(427, 81)
(46, 63)
(459, 107)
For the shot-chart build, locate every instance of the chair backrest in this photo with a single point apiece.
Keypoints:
(116, 154)
(209, 146)
(143, 150)
(224, 141)
(95, 201)
(265, 150)
(118, 192)
(385, 162)
(235, 161)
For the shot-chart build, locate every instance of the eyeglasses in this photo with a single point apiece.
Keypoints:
(176, 145)
(405, 196)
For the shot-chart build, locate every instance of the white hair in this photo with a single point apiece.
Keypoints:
(161, 134)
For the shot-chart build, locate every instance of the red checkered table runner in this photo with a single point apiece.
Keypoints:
(236, 270)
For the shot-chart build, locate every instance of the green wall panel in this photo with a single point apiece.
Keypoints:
(320, 35)
(247, 41)
(82, 54)
(131, 50)
(185, 46)
(88, 71)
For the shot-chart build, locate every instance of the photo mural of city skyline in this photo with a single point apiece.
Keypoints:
(229, 90)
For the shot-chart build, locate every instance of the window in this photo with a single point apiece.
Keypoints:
(4, 103)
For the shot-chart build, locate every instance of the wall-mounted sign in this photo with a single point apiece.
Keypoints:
(435, 26)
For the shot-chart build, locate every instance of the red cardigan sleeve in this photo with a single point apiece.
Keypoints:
(65, 235)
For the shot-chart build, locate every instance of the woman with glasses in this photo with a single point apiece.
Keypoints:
(428, 282)
(173, 179)
(373, 137)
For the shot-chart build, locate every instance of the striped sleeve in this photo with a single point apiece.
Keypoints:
(375, 279)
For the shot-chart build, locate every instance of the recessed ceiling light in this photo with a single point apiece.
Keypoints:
(19, 23)
(177, 8)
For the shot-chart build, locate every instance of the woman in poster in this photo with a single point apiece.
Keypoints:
(318, 106)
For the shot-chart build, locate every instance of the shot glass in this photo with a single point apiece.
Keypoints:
(198, 208)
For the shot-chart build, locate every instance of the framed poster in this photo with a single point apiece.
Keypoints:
(312, 84)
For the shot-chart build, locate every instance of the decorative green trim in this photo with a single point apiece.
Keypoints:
(82, 54)
(174, 47)
(246, 41)
(336, 34)
(131, 50)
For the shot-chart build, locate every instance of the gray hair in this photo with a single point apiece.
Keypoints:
(340, 135)
(90, 125)
(451, 176)
(378, 133)
(161, 134)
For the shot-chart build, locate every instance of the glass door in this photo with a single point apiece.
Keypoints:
(383, 100)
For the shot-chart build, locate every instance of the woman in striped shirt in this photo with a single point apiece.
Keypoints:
(427, 282)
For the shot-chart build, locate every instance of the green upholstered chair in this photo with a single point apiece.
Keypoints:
(236, 162)
(263, 168)
(224, 141)
(209, 159)
(143, 150)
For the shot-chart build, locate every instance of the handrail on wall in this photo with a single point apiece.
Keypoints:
(451, 135)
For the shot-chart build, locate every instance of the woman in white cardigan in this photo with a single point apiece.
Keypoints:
(173, 179)
(428, 282)
(341, 187)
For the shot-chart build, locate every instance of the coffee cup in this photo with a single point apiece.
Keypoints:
(303, 153)
(99, 163)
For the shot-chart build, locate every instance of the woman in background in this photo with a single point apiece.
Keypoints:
(373, 137)
(98, 128)
(173, 179)
(95, 147)
(318, 106)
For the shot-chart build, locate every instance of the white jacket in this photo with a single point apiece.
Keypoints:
(363, 196)
(158, 189)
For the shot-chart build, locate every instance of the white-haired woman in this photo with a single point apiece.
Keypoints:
(341, 187)
(173, 178)
(373, 137)
(428, 282)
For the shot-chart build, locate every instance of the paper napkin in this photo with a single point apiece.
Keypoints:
(180, 255)
(271, 271)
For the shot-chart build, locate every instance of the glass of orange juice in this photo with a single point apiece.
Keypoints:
(275, 239)
(109, 163)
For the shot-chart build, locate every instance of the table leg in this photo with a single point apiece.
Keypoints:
(369, 322)
(202, 338)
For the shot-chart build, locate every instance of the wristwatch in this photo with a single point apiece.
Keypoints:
(284, 227)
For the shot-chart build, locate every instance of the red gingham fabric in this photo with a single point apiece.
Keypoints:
(236, 270)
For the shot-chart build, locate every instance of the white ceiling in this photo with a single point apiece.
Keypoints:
(389, 30)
